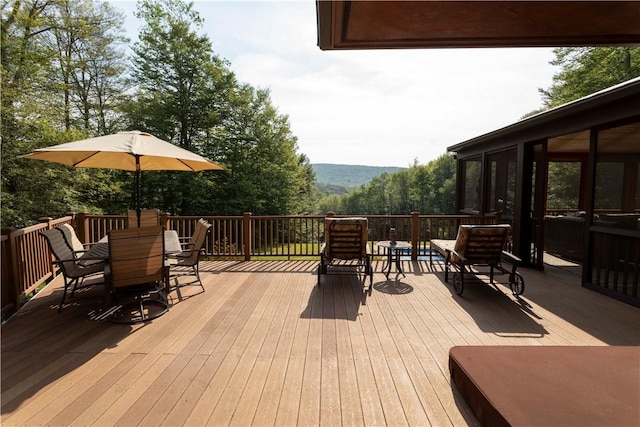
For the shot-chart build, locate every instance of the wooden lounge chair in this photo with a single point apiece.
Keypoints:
(73, 269)
(186, 262)
(478, 245)
(148, 218)
(137, 264)
(346, 245)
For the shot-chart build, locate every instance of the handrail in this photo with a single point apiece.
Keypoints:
(27, 263)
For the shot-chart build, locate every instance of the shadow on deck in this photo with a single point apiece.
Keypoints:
(265, 346)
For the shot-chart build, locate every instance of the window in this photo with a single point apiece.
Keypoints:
(563, 190)
(502, 183)
(609, 185)
(471, 177)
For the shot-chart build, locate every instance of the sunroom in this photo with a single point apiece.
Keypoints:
(567, 180)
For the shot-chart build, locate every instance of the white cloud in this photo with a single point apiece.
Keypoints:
(380, 107)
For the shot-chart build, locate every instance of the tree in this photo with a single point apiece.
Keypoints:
(441, 185)
(180, 86)
(585, 70)
(187, 95)
(428, 189)
(38, 104)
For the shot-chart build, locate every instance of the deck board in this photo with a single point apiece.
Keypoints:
(265, 346)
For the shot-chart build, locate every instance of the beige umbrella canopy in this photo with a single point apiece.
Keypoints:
(132, 151)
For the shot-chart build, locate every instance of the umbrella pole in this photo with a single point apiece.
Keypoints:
(138, 189)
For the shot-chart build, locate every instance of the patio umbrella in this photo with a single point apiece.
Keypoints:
(132, 151)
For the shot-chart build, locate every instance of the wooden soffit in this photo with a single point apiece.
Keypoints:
(372, 24)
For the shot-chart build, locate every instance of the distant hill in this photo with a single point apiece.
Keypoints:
(349, 176)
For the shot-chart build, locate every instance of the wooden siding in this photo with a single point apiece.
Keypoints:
(265, 346)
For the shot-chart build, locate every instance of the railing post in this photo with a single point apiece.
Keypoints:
(164, 220)
(13, 287)
(82, 227)
(415, 235)
(247, 237)
(74, 222)
(47, 220)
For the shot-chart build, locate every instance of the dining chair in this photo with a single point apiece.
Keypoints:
(137, 265)
(73, 269)
(79, 249)
(187, 262)
(148, 218)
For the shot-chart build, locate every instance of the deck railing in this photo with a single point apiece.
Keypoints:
(26, 260)
(615, 266)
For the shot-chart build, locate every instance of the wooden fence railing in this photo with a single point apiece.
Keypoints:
(615, 267)
(26, 261)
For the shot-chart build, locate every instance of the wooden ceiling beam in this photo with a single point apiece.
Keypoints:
(372, 24)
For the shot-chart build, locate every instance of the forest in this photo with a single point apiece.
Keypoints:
(67, 75)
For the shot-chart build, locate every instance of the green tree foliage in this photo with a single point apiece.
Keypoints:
(45, 49)
(66, 76)
(585, 70)
(187, 95)
(179, 88)
(428, 189)
(564, 185)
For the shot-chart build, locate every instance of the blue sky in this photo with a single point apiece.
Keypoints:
(378, 107)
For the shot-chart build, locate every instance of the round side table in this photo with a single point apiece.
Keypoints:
(394, 251)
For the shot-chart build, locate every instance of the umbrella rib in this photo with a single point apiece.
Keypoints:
(85, 158)
(182, 161)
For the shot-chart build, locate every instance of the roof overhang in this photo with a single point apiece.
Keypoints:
(372, 24)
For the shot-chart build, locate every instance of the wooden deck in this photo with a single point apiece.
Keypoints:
(264, 346)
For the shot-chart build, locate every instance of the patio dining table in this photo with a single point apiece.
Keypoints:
(100, 250)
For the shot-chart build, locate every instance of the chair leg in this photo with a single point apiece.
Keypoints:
(196, 269)
(64, 292)
(447, 261)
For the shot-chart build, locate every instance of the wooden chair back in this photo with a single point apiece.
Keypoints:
(136, 256)
(481, 244)
(346, 238)
(148, 218)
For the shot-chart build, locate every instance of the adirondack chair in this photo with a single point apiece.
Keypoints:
(346, 246)
(478, 245)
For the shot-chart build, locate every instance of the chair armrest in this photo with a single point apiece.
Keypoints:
(511, 257)
(80, 253)
(186, 253)
(462, 258)
(76, 260)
